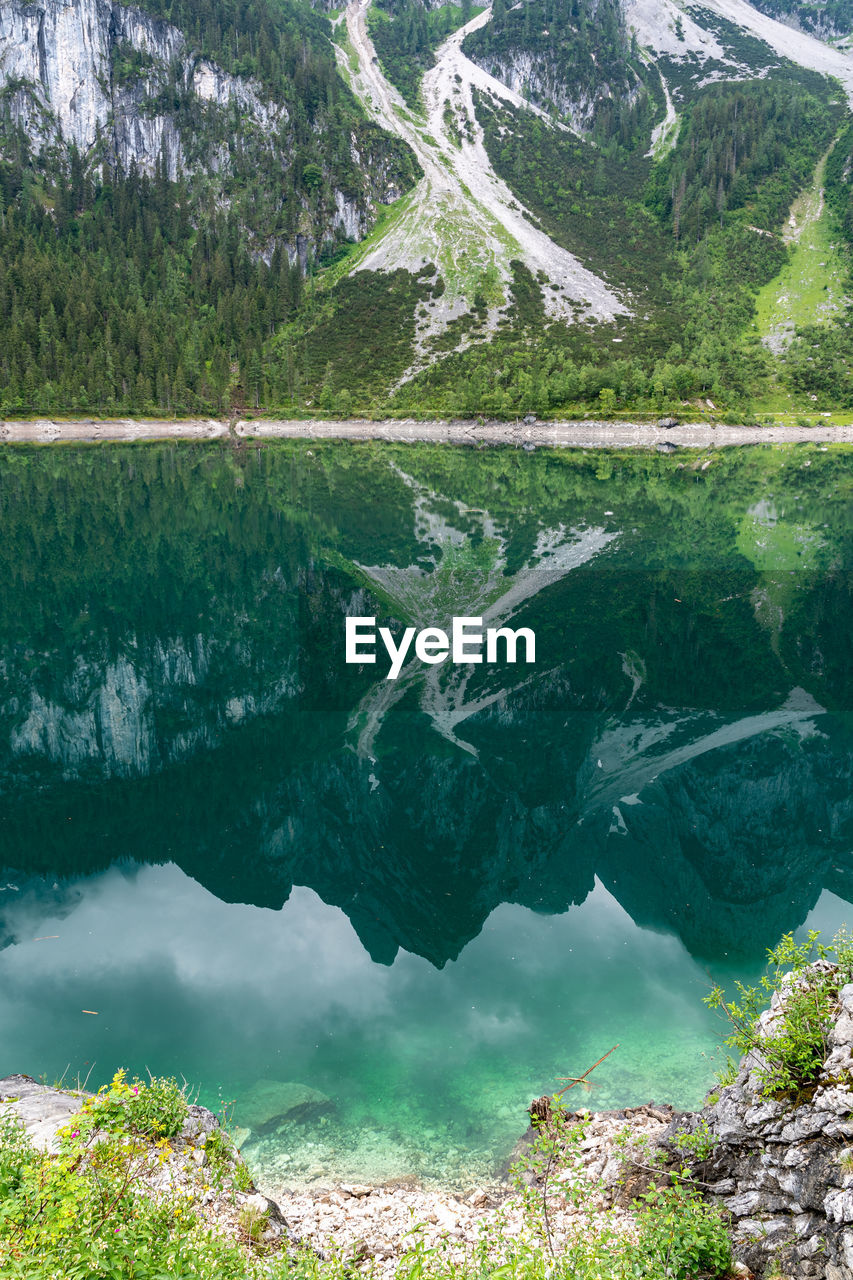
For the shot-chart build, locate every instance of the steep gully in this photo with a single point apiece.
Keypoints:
(461, 216)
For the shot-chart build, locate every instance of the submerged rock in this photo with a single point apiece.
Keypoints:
(270, 1103)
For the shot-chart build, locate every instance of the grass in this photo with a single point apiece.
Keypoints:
(810, 289)
(387, 217)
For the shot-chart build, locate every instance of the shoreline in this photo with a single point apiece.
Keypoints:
(558, 434)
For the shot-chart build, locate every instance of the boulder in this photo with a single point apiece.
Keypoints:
(41, 1110)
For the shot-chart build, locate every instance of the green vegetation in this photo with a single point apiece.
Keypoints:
(581, 52)
(823, 17)
(818, 363)
(84, 1212)
(810, 289)
(156, 1110)
(129, 64)
(110, 299)
(405, 34)
(741, 147)
(347, 346)
(678, 1235)
(281, 43)
(791, 1048)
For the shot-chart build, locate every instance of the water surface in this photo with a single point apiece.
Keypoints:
(429, 899)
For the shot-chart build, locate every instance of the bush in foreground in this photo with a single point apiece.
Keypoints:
(97, 1210)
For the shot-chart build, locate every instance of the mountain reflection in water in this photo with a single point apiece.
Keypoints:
(496, 868)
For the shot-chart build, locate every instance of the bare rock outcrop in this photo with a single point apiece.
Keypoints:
(782, 1168)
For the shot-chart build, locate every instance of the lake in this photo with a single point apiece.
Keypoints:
(416, 904)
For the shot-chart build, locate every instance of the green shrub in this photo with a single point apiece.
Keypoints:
(62, 1216)
(790, 1054)
(154, 1110)
(680, 1236)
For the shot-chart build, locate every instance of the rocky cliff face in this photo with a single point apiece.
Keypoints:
(126, 88)
(154, 702)
(62, 84)
(540, 78)
(827, 21)
(782, 1168)
(573, 61)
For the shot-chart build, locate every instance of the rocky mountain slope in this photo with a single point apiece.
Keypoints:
(574, 60)
(606, 181)
(126, 89)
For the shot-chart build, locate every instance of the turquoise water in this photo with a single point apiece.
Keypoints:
(432, 899)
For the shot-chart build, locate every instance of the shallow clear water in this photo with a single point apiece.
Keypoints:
(429, 899)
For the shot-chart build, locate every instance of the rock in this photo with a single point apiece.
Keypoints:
(666, 447)
(199, 1124)
(780, 1170)
(257, 1202)
(529, 419)
(446, 1217)
(239, 1136)
(667, 423)
(272, 1102)
(356, 1189)
(41, 1110)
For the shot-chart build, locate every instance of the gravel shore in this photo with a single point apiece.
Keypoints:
(569, 434)
(376, 1226)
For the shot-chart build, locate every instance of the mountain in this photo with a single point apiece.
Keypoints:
(123, 89)
(553, 206)
(828, 19)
